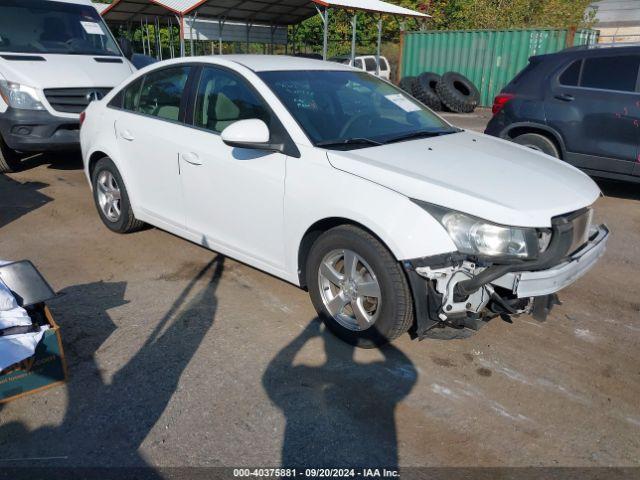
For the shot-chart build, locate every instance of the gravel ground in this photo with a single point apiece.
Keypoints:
(179, 357)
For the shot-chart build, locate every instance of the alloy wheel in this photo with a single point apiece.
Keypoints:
(109, 196)
(350, 290)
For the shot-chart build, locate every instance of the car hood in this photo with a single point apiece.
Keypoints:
(477, 174)
(64, 71)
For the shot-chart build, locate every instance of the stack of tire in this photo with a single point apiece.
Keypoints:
(452, 91)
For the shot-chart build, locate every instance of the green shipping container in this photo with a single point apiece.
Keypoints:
(489, 58)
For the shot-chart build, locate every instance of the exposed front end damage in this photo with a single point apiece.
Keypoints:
(464, 291)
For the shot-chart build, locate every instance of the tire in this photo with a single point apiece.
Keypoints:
(391, 314)
(424, 89)
(538, 142)
(406, 84)
(106, 179)
(9, 159)
(458, 93)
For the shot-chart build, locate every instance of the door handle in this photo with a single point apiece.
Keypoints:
(191, 158)
(127, 135)
(565, 97)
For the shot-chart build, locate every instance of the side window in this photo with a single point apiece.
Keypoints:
(223, 98)
(132, 95)
(162, 91)
(370, 63)
(383, 64)
(571, 75)
(611, 73)
(359, 64)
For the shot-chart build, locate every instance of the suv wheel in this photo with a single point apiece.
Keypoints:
(9, 159)
(358, 288)
(111, 198)
(538, 142)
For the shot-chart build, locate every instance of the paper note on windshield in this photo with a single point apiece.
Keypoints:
(403, 102)
(92, 28)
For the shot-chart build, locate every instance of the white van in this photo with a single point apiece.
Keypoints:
(368, 64)
(55, 58)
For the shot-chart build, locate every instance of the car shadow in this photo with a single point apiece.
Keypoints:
(619, 189)
(18, 199)
(71, 160)
(341, 413)
(106, 421)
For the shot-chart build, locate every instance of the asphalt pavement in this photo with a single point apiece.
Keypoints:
(180, 357)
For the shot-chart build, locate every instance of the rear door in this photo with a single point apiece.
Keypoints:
(148, 133)
(595, 105)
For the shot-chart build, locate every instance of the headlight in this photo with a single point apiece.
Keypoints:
(475, 236)
(20, 96)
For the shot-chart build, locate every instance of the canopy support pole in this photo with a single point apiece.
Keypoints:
(248, 32)
(146, 22)
(193, 19)
(144, 46)
(272, 29)
(354, 23)
(180, 19)
(325, 38)
(286, 41)
(379, 42)
(220, 27)
(170, 27)
(158, 43)
(403, 27)
(324, 16)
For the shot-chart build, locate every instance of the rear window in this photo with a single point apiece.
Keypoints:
(611, 73)
(571, 76)
(524, 72)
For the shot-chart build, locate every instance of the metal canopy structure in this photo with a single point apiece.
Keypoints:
(268, 12)
(252, 12)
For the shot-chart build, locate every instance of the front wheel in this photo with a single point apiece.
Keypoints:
(9, 159)
(358, 288)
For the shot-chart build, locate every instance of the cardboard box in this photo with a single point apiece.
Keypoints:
(45, 369)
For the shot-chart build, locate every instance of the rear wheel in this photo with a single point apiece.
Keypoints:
(111, 198)
(9, 159)
(538, 142)
(358, 288)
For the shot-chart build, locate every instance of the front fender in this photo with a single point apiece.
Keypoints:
(405, 228)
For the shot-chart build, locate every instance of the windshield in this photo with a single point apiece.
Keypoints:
(43, 26)
(348, 109)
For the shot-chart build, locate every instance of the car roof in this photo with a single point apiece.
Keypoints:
(271, 63)
(592, 50)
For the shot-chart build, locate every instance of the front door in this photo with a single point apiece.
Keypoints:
(233, 196)
(148, 131)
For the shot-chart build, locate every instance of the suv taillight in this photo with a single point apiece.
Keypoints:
(83, 115)
(500, 101)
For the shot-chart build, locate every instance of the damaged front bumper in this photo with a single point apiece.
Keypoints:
(546, 282)
(459, 291)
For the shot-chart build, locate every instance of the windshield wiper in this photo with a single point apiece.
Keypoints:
(421, 134)
(347, 141)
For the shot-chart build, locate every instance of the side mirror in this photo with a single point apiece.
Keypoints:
(251, 133)
(125, 46)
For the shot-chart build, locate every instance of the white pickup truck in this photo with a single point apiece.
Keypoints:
(55, 58)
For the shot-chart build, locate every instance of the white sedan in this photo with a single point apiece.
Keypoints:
(342, 184)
